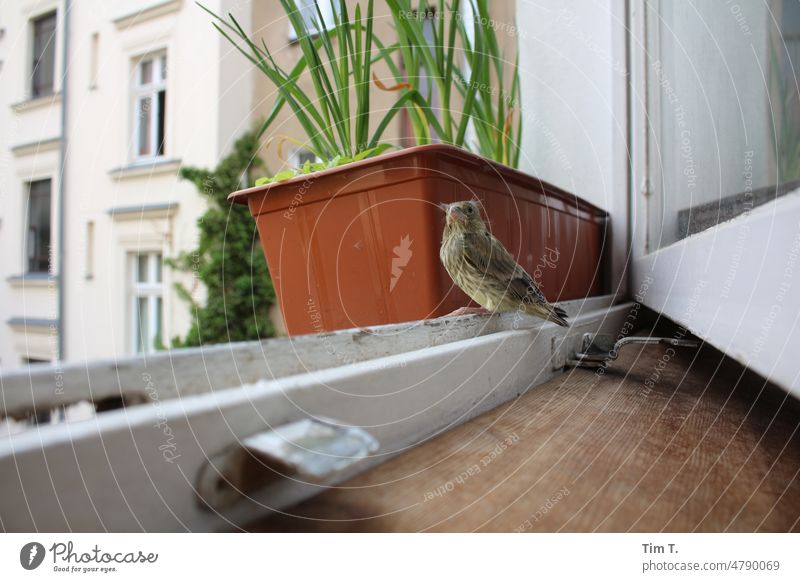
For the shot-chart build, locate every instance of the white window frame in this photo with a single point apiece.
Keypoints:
(309, 16)
(755, 321)
(152, 290)
(141, 92)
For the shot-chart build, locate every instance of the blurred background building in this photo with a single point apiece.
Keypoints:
(120, 94)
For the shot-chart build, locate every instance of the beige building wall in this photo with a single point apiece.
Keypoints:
(115, 205)
(29, 140)
(140, 207)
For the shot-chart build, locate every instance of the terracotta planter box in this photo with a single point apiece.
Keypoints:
(359, 245)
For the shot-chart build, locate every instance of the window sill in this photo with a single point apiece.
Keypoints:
(146, 169)
(37, 147)
(32, 280)
(25, 324)
(37, 103)
(146, 14)
(151, 211)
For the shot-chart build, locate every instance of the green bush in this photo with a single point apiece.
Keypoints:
(228, 261)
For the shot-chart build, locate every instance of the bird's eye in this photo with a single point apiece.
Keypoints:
(469, 209)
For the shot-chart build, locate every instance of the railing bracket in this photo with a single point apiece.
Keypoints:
(598, 349)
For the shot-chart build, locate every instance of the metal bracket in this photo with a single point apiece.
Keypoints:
(597, 349)
(308, 450)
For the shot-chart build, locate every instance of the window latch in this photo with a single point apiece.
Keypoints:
(598, 349)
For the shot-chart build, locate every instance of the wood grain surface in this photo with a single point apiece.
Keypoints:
(688, 441)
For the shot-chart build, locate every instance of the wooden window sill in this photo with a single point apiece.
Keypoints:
(698, 445)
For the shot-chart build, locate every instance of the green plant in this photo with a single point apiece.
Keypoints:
(448, 56)
(309, 167)
(456, 55)
(496, 102)
(228, 260)
(339, 62)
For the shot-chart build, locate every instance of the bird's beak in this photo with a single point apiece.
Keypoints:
(455, 214)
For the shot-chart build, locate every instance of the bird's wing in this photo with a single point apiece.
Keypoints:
(488, 255)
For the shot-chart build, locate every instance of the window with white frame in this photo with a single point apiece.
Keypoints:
(308, 10)
(43, 65)
(147, 302)
(726, 127)
(150, 107)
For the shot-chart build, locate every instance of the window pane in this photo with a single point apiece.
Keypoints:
(144, 116)
(157, 261)
(142, 328)
(146, 72)
(44, 55)
(303, 156)
(162, 104)
(94, 59)
(141, 269)
(158, 338)
(38, 239)
(724, 107)
(308, 9)
(164, 68)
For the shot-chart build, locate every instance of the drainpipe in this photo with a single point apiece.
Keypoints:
(62, 181)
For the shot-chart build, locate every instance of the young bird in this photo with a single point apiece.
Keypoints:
(481, 266)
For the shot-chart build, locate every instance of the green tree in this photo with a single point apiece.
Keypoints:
(229, 260)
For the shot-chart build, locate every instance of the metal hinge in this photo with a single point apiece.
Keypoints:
(597, 349)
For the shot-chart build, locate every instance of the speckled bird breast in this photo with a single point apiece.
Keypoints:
(451, 253)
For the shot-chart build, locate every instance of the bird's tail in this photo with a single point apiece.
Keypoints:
(557, 315)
